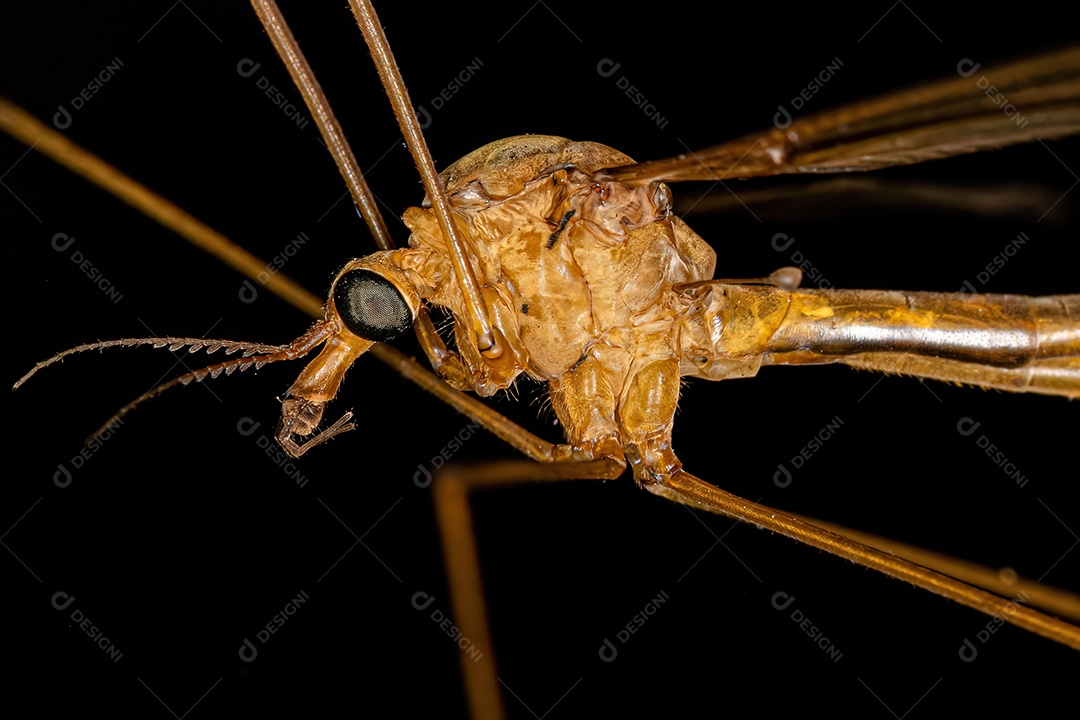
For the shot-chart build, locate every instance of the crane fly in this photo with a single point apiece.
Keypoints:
(186, 537)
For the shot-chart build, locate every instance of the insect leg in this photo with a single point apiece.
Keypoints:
(29, 130)
(615, 405)
(584, 402)
(452, 487)
(448, 364)
(682, 487)
(1001, 581)
(1045, 376)
(480, 322)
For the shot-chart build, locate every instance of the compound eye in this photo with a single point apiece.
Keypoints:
(370, 306)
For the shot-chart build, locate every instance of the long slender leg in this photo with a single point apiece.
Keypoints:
(999, 581)
(451, 489)
(26, 128)
(486, 340)
(448, 364)
(315, 99)
(1046, 376)
(584, 401)
(690, 490)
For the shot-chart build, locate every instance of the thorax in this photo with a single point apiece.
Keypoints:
(566, 260)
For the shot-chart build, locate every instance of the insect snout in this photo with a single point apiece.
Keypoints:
(370, 301)
(299, 419)
(300, 416)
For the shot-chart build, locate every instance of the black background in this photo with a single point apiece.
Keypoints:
(180, 538)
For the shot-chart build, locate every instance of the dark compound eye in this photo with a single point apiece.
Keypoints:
(370, 306)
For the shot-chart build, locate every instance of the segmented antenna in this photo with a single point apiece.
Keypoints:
(254, 355)
(173, 343)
